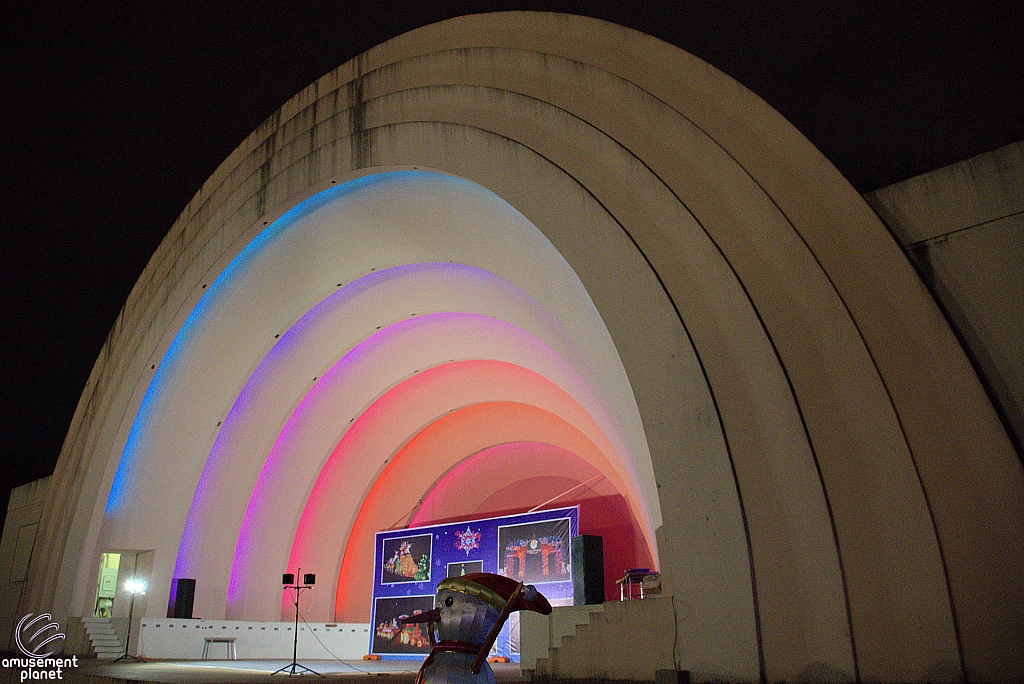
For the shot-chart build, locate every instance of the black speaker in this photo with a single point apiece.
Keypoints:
(184, 598)
(587, 569)
(309, 579)
(288, 578)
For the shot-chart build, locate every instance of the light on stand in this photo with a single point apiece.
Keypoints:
(288, 580)
(134, 587)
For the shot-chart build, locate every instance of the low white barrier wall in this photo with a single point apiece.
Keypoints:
(178, 639)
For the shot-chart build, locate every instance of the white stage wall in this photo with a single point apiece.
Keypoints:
(181, 639)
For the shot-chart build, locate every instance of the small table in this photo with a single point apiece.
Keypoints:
(632, 580)
(230, 641)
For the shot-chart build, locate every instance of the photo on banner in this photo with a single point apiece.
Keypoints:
(534, 553)
(464, 568)
(407, 559)
(390, 635)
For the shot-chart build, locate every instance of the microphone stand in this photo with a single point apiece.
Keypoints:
(296, 668)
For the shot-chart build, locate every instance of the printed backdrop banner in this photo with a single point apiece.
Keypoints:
(530, 547)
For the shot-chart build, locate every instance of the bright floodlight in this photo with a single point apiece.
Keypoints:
(135, 586)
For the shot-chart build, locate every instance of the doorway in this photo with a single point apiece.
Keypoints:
(113, 598)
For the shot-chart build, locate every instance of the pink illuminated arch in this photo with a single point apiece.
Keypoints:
(380, 432)
(543, 476)
(402, 483)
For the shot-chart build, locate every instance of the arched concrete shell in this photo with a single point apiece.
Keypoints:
(834, 491)
(471, 484)
(454, 438)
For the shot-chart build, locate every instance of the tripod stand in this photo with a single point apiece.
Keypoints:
(135, 587)
(295, 668)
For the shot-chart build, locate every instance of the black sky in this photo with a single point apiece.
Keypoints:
(113, 118)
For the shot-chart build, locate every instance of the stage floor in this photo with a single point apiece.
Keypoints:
(257, 671)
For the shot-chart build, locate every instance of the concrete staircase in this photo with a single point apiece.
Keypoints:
(106, 643)
(626, 640)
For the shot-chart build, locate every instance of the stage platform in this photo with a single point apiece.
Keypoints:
(252, 671)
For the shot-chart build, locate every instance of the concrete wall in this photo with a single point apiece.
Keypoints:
(541, 633)
(962, 226)
(628, 640)
(24, 509)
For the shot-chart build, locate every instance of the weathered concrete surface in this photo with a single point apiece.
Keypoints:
(24, 509)
(963, 228)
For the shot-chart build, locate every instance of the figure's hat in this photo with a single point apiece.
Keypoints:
(496, 590)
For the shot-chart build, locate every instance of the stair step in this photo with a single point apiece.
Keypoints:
(104, 639)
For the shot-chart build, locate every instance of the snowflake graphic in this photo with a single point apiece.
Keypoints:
(468, 540)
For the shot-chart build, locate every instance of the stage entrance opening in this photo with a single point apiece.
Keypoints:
(106, 587)
(116, 568)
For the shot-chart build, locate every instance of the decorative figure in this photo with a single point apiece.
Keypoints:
(470, 611)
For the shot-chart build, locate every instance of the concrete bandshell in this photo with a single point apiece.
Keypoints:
(854, 344)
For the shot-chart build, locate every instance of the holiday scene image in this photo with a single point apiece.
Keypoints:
(390, 635)
(406, 559)
(535, 552)
(467, 568)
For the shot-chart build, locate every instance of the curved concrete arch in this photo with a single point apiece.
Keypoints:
(775, 209)
(774, 461)
(433, 451)
(676, 411)
(464, 488)
(545, 477)
(249, 305)
(331, 330)
(851, 407)
(251, 297)
(278, 504)
(849, 242)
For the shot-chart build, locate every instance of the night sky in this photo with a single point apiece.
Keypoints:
(113, 118)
